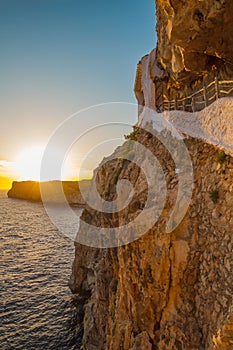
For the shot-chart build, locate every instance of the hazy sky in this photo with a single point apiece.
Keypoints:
(58, 56)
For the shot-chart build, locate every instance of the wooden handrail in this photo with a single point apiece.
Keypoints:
(208, 93)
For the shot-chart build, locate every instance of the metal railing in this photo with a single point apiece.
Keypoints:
(200, 99)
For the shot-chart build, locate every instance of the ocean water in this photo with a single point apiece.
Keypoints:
(37, 309)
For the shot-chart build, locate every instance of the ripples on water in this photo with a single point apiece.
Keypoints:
(36, 306)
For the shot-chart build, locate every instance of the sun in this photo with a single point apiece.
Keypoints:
(29, 161)
(28, 164)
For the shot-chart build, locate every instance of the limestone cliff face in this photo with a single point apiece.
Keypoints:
(194, 36)
(195, 43)
(30, 190)
(167, 291)
(164, 291)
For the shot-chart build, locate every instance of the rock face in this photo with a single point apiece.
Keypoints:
(164, 291)
(194, 36)
(30, 190)
(167, 291)
(195, 44)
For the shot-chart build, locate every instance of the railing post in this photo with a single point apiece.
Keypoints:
(162, 104)
(162, 99)
(205, 95)
(193, 104)
(183, 104)
(175, 102)
(217, 94)
(169, 105)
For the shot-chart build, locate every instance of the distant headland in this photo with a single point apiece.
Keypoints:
(31, 191)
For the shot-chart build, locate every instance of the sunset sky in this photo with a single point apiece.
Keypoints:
(59, 56)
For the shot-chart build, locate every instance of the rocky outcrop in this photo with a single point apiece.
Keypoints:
(195, 44)
(30, 190)
(168, 290)
(194, 37)
(164, 291)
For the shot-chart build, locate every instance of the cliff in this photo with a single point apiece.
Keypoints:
(194, 37)
(195, 44)
(168, 289)
(165, 290)
(30, 190)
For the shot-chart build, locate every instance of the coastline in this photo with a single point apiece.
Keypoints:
(31, 191)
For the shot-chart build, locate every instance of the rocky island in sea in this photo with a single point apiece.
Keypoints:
(30, 190)
(171, 290)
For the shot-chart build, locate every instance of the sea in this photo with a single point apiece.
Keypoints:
(37, 309)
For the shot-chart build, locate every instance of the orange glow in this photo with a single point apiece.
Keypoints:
(27, 166)
(5, 183)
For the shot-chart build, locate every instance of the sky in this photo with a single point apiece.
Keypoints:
(60, 56)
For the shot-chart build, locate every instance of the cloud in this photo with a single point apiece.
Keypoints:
(7, 169)
(6, 164)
